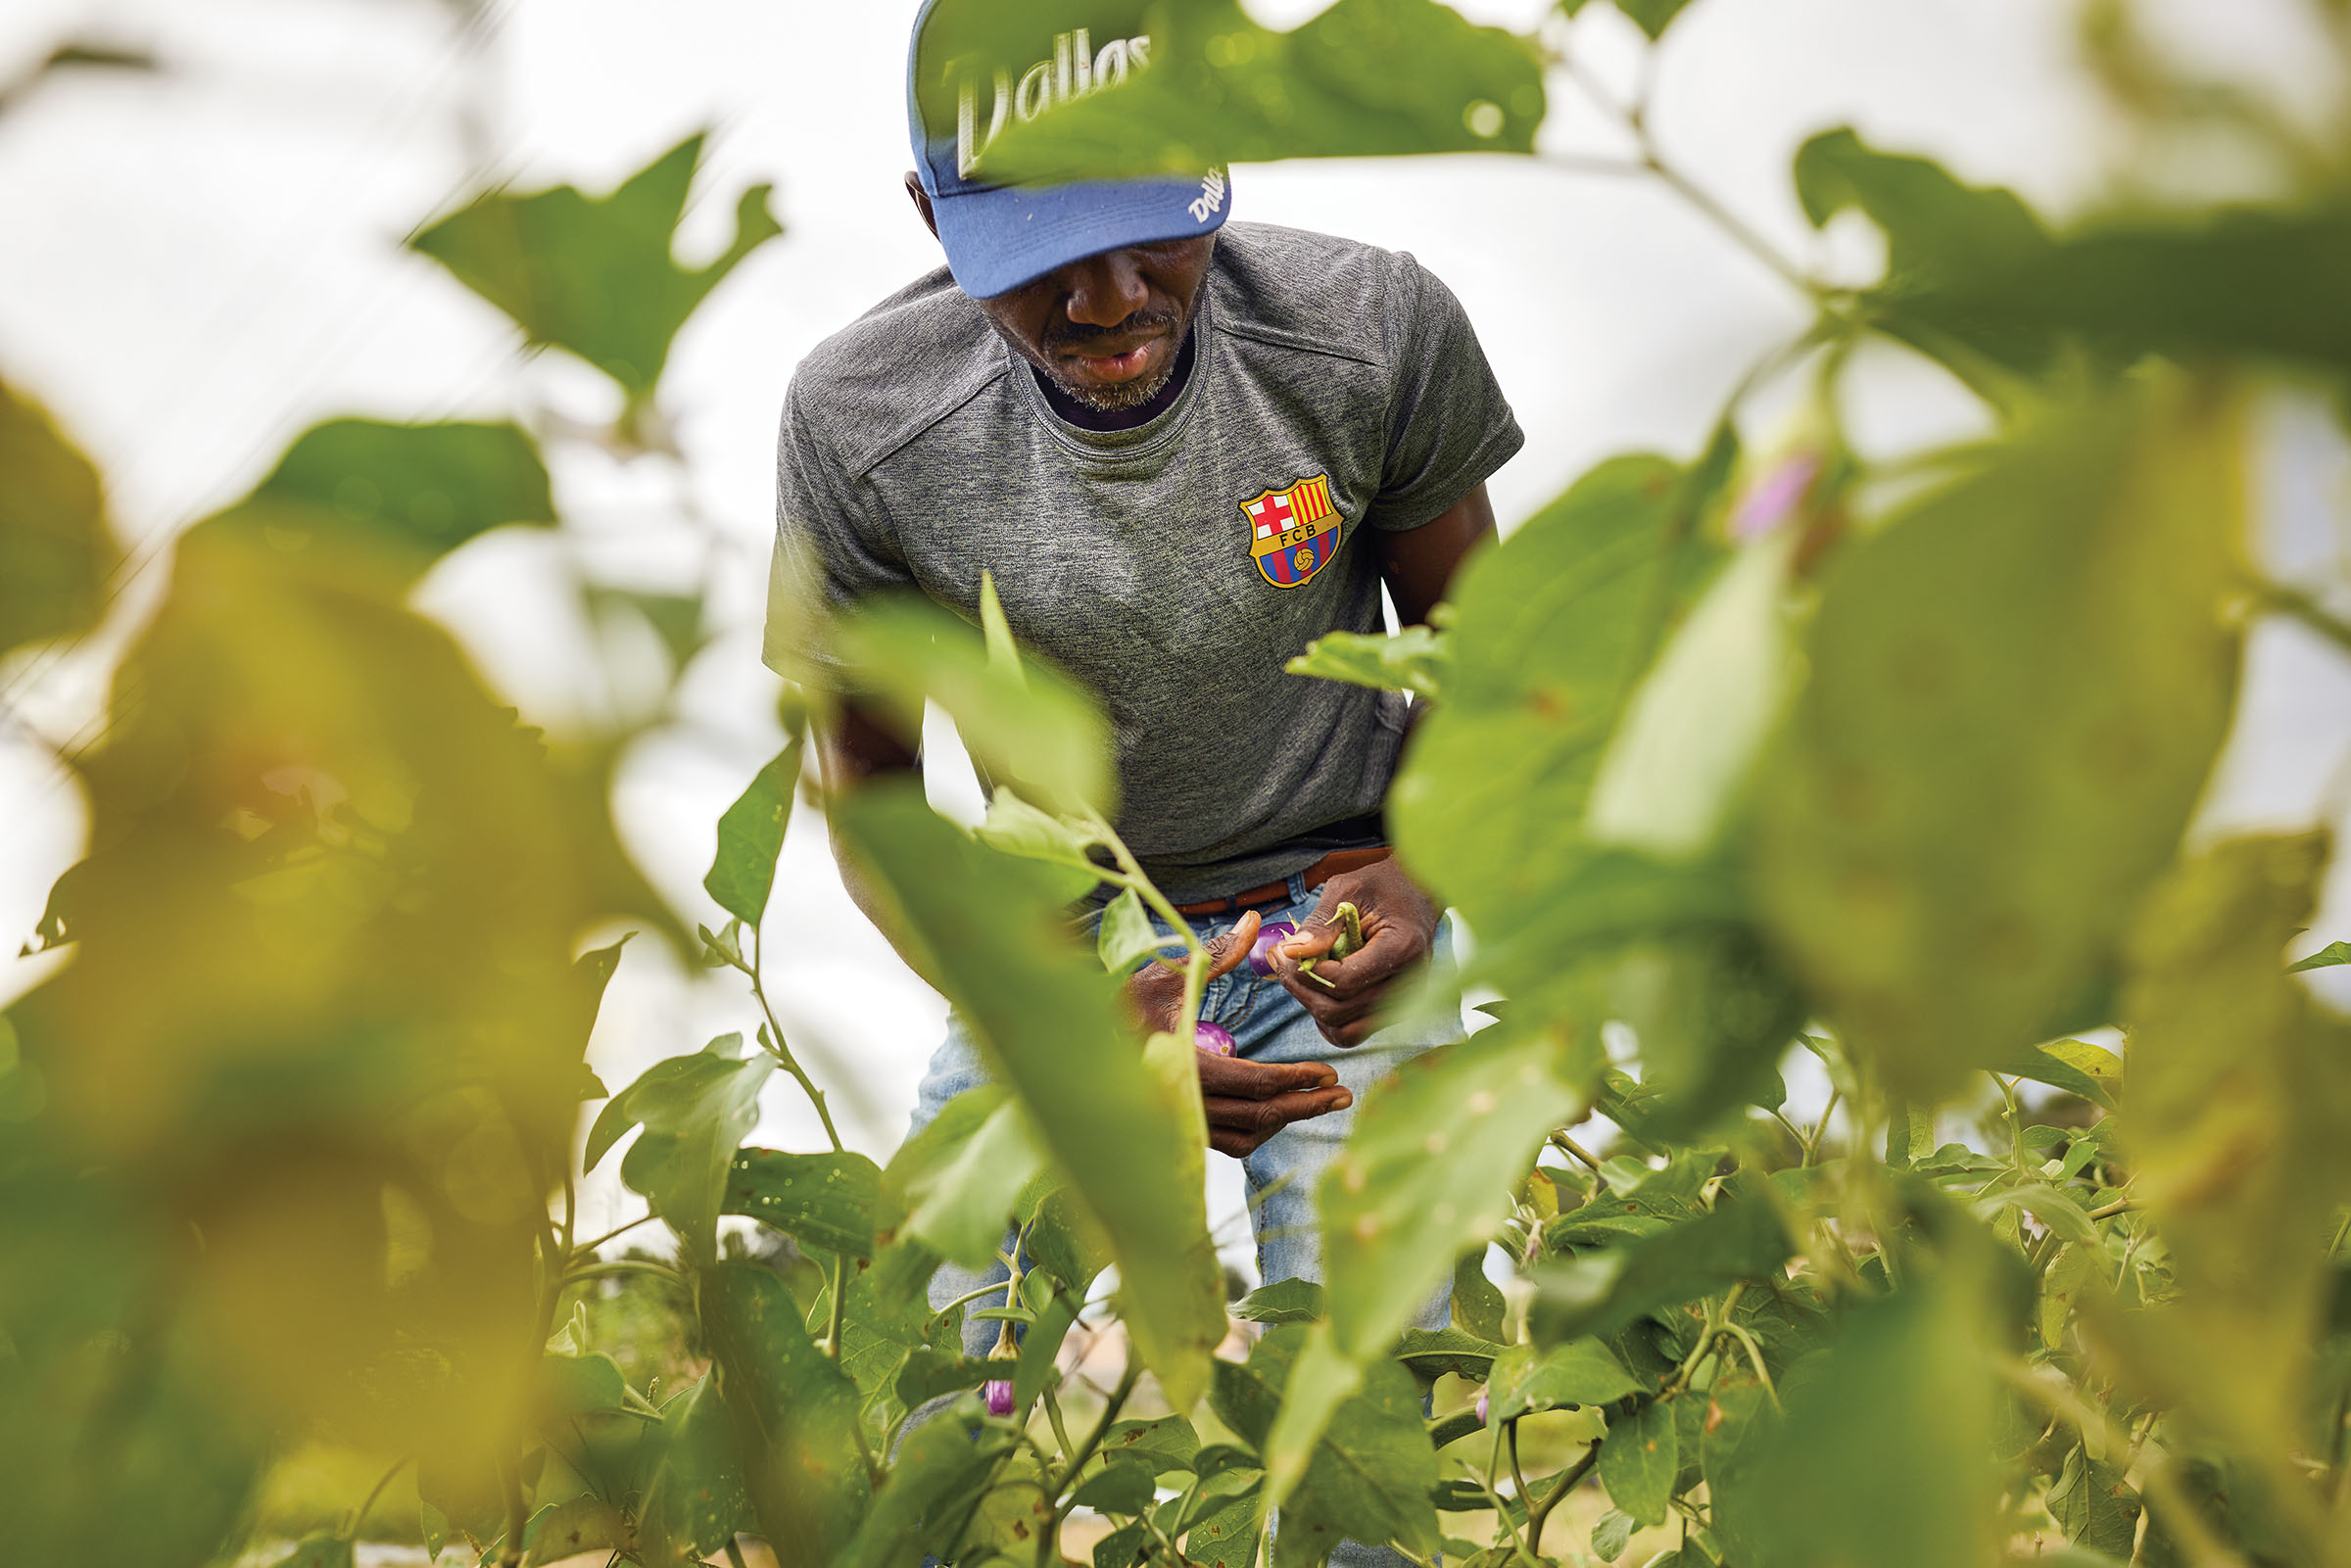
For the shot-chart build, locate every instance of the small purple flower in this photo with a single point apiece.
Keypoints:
(999, 1398)
(1269, 935)
(1775, 497)
(1482, 1406)
(1214, 1038)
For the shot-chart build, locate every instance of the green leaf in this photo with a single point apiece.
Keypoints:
(595, 274)
(751, 836)
(1127, 937)
(576, 1526)
(1611, 1534)
(1741, 1238)
(1428, 1353)
(964, 1212)
(695, 1111)
(2240, 1085)
(1552, 628)
(322, 1550)
(695, 1501)
(1478, 1302)
(927, 1373)
(1016, 827)
(2077, 1066)
(1886, 1451)
(1639, 1460)
(1227, 1538)
(400, 496)
(1364, 78)
(1065, 1242)
(1040, 1345)
(1029, 726)
(1579, 1372)
(1168, 1444)
(2018, 687)
(1937, 229)
(829, 1201)
(2051, 1206)
(1284, 1301)
(1414, 660)
(1125, 1128)
(1123, 1548)
(1120, 1488)
(1436, 1148)
(1371, 1469)
(1652, 16)
(2094, 1507)
(2330, 956)
(56, 554)
(794, 1412)
(579, 1385)
(928, 1493)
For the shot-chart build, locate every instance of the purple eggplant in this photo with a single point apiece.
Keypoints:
(1214, 1038)
(1269, 936)
(999, 1398)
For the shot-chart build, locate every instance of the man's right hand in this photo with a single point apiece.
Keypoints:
(1246, 1102)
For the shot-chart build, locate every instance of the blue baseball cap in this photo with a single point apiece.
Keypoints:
(975, 66)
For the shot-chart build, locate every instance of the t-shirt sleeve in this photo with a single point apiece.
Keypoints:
(1449, 425)
(834, 546)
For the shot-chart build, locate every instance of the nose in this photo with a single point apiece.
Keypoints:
(1102, 291)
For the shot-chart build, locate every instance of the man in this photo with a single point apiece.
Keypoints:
(1183, 450)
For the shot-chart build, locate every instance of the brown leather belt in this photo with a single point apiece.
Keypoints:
(1320, 871)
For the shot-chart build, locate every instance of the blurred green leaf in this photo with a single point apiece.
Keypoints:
(401, 496)
(1125, 1489)
(1065, 1242)
(1156, 1446)
(1743, 1236)
(695, 1111)
(1436, 1148)
(1885, 1454)
(1126, 935)
(579, 1385)
(695, 1502)
(595, 274)
(1364, 78)
(1414, 660)
(1552, 630)
(1580, 1372)
(1611, 1534)
(1039, 1364)
(829, 1202)
(1652, 16)
(794, 1412)
(964, 1212)
(322, 1550)
(929, 1373)
(1370, 1472)
(1027, 727)
(1128, 1132)
(1227, 1538)
(2239, 1092)
(938, 1470)
(56, 554)
(751, 836)
(2018, 687)
(1937, 229)
(1428, 1353)
(1638, 1462)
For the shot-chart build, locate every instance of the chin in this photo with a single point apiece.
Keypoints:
(1117, 396)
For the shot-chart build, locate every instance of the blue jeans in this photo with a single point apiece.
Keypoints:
(1268, 1024)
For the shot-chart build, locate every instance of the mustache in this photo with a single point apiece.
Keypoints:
(1143, 324)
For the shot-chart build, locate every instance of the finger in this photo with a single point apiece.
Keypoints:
(1226, 952)
(1235, 1079)
(1264, 1117)
(1388, 952)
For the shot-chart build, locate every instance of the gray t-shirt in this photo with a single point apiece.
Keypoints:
(1175, 567)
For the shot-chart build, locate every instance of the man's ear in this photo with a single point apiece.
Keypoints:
(922, 201)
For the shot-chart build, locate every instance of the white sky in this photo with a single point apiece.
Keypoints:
(195, 268)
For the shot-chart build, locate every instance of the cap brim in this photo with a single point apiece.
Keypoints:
(998, 238)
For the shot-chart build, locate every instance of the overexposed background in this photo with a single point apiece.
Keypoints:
(196, 266)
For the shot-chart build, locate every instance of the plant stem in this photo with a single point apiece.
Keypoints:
(1819, 1128)
(1706, 1340)
(2293, 602)
(1110, 1414)
(1052, 1407)
(782, 1052)
(1537, 1513)
(1569, 1146)
(509, 1556)
(360, 1518)
(734, 1555)
(2121, 1206)
(1195, 974)
(584, 1249)
(622, 1265)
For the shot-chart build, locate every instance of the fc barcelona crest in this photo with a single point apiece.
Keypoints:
(1293, 532)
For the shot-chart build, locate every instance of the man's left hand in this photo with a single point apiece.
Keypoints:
(1400, 923)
